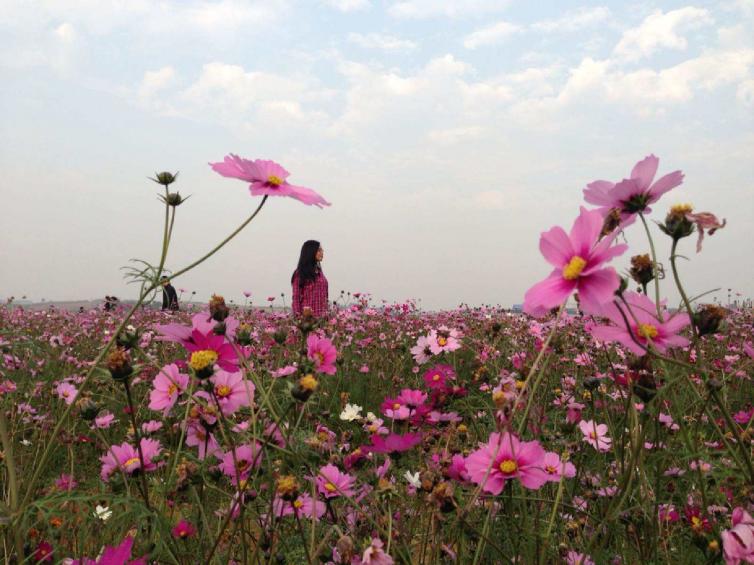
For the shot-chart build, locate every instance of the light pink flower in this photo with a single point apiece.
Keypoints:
(126, 457)
(595, 435)
(505, 457)
(633, 195)
(303, 505)
(67, 392)
(375, 555)
(331, 483)
(557, 468)
(232, 391)
(239, 466)
(443, 339)
(266, 178)
(322, 352)
(204, 441)
(578, 259)
(649, 328)
(167, 387)
(738, 542)
(104, 420)
(422, 351)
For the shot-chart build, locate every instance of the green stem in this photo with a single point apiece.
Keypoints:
(678, 284)
(655, 269)
(10, 464)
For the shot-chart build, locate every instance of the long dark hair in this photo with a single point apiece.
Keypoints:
(308, 267)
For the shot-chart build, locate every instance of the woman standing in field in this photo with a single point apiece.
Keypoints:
(309, 282)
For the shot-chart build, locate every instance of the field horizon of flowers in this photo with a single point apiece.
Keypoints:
(384, 434)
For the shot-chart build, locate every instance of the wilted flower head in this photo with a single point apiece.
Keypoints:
(676, 224)
(708, 318)
(705, 221)
(641, 269)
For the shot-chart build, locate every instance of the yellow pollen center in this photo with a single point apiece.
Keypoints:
(593, 435)
(436, 378)
(297, 503)
(681, 209)
(329, 487)
(551, 469)
(696, 521)
(308, 382)
(319, 358)
(574, 267)
(647, 331)
(396, 406)
(172, 389)
(223, 390)
(131, 461)
(441, 341)
(508, 466)
(274, 180)
(202, 359)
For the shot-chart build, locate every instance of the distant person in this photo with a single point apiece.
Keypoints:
(111, 302)
(169, 295)
(309, 282)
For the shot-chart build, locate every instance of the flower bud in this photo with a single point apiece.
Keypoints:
(708, 318)
(305, 387)
(164, 178)
(118, 364)
(128, 339)
(676, 223)
(287, 487)
(217, 308)
(88, 409)
(243, 335)
(642, 270)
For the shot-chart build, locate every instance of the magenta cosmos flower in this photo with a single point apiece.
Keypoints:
(205, 346)
(238, 465)
(322, 352)
(114, 555)
(393, 443)
(232, 391)
(634, 195)
(302, 505)
(503, 458)
(332, 483)
(578, 259)
(167, 387)
(738, 542)
(595, 435)
(643, 325)
(126, 457)
(266, 178)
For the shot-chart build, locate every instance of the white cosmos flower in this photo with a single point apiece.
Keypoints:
(351, 412)
(102, 512)
(412, 479)
(25, 442)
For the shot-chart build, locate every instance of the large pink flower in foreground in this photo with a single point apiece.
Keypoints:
(232, 391)
(200, 337)
(322, 352)
(637, 336)
(332, 483)
(633, 195)
(578, 259)
(504, 457)
(738, 542)
(266, 178)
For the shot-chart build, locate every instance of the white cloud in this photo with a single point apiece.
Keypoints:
(454, 135)
(348, 5)
(491, 199)
(380, 41)
(661, 30)
(745, 93)
(66, 33)
(420, 9)
(575, 20)
(490, 35)
(155, 81)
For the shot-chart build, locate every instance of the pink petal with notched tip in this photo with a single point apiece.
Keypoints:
(644, 171)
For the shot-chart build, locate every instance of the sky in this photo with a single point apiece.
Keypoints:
(446, 134)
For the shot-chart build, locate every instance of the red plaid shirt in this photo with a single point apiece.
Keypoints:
(313, 295)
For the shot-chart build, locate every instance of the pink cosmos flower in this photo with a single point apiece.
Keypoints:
(67, 392)
(576, 558)
(556, 468)
(183, 530)
(393, 443)
(422, 351)
(661, 334)
(201, 337)
(197, 436)
(374, 554)
(412, 398)
(331, 483)
(443, 339)
(436, 377)
(457, 468)
(578, 258)
(595, 435)
(104, 420)
(322, 352)
(738, 542)
(505, 457)
(633, 195)
(126, 458)
(239, 466)
(266, 178)
(167, 387)
(232, 391)
(66, 482)
(394, 408)
(303, 505)
(118, 555)
(704, 221)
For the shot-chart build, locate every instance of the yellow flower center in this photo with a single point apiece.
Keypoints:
(436, 378)
(593, 435)
(696, 521)
(202, 359)
(396, 406)
(274, 180)
(681, 209)
(287, 484)
(172, 389)
(223, 390)
(297, 503)
(574, 267)
(308, 382)
(647, 331)
(329, 487)
(319, 358)
(508, 466)
(552, 470)
(131, 461)
(441, 341)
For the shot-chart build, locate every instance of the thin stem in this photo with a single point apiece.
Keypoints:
(10, 464)
(678, 284)
(654, 266)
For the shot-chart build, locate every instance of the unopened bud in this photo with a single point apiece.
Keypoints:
(165, 178)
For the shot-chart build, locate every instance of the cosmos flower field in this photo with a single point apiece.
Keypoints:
(616, 432)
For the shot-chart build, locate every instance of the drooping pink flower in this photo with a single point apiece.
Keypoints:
(457, 468)
(239, 465)
(738, 542)
(595, 435)
(633, 195)
(167, 387)
(662, 334)
(505, 457)
(578, 259)
(704, 221)
(576, 558)
(126, 457)
(322, 352)
(393, 443)
(266, 178)
(232, 391)
(375, 555)
(331, 483)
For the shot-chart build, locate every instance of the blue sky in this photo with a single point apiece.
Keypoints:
(447, 135)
